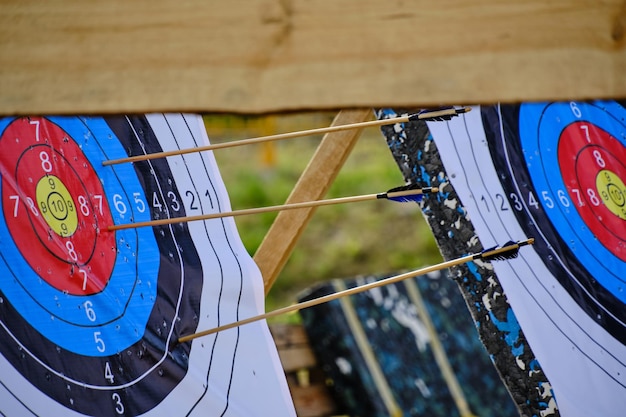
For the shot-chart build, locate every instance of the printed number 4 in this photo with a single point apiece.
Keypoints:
(108, 374)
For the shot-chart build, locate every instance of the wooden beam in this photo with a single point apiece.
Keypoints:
(313, 184)
(262, 56)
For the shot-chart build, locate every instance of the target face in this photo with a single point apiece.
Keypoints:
(571, 194)
(90, 317)
(554, 172)
(72, 291)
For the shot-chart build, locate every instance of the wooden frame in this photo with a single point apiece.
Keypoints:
(258, 56)
(261, 56)
(315, 181)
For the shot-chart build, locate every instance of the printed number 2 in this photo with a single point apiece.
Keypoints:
(501, 202)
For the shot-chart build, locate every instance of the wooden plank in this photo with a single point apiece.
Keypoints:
(293, 347)
(310, 395)
(260, 56)
(312, 401)
(315, 181)
(286, 335)
(297, 357)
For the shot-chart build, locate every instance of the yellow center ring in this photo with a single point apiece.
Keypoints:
(56, 205)
(613, 192)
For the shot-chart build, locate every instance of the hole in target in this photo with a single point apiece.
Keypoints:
(56, 210)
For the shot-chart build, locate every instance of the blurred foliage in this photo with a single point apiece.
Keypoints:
(341, 241)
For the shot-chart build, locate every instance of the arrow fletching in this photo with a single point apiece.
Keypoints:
(509, 250)
(506, 251)
(407, 193)
(440, 115)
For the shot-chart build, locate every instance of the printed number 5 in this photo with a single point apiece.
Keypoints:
(547, 199)
(141, 207)
(99, 342)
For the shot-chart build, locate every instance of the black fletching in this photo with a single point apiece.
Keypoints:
(509, 250)
(440, 114)
(440, 118)
(416, 197)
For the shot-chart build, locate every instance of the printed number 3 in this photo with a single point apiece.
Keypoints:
(119, 407)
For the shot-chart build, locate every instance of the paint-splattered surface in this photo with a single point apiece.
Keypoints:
(379, 349)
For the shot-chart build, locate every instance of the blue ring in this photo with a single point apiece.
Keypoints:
(127, 300)
(540, 127)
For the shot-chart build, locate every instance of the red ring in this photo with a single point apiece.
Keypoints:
(79, 264)
(584, 150)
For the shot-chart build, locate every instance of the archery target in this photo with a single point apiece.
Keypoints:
(571, 193)
(89, 318)
(554, 172)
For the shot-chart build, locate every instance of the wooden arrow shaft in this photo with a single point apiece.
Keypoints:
(352, 291)
(330, 297)
(257, 210)
(251, 141)
(318, 131)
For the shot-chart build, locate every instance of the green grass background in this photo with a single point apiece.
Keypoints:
(341, 241)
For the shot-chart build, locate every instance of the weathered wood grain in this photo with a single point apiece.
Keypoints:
(260, 56)
(305, 377)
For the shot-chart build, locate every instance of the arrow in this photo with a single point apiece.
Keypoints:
(435, 115)
(401, 194)
(509, 250)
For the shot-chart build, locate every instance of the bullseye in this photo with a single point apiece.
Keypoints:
(613, 192)
(56, 205)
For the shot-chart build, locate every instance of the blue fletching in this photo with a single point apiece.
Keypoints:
(407, 198)
(417, 197)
